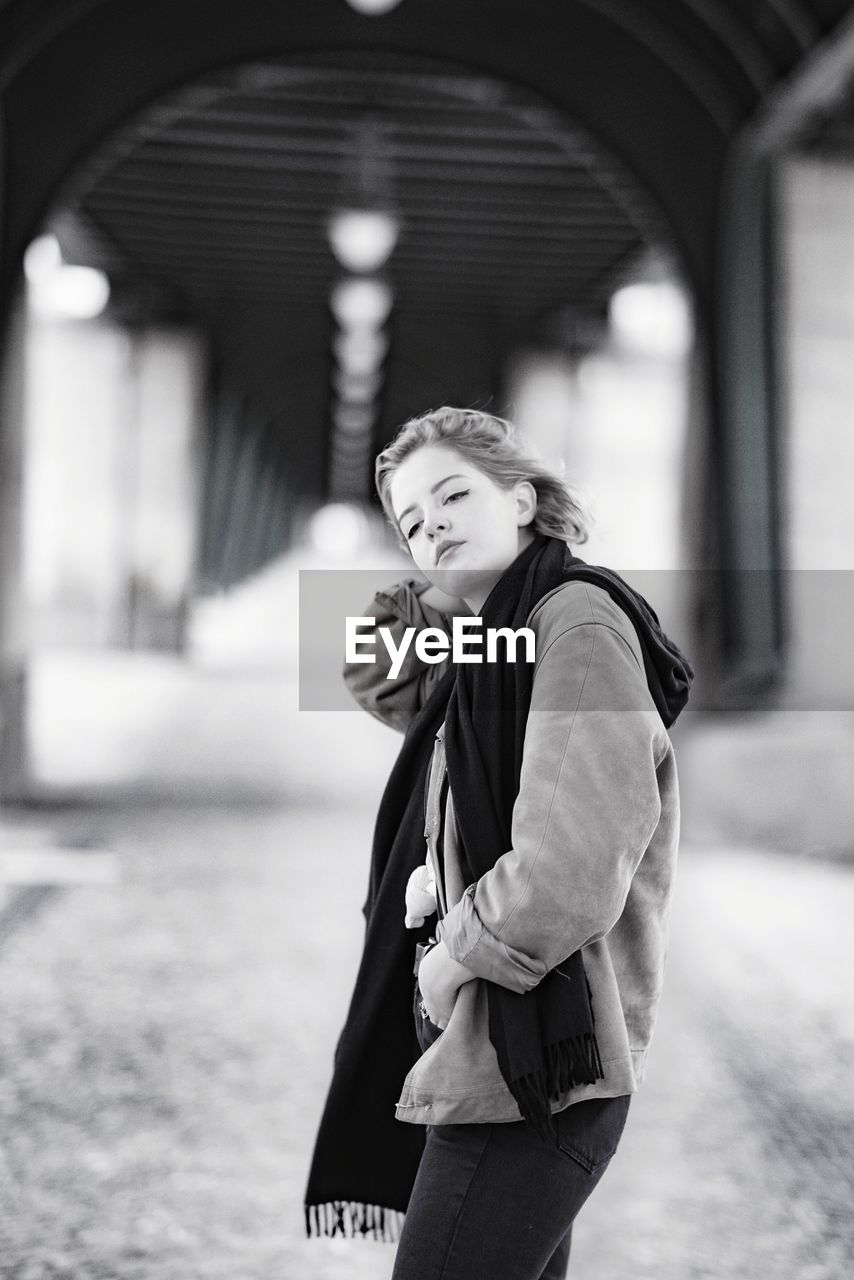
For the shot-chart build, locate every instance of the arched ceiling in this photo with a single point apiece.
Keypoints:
(532, 149)
(663, 86)
(223, 193)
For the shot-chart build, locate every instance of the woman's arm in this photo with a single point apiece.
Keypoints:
(406, 604)
(587, 807)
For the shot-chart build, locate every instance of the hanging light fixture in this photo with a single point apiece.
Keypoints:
(355, 389)
(339, 529)
(363, 240)
(57, 291)
(363, 229)
(360, 352)
(42, 258)
(364, 226)
(361, 302)
(373, 7)
(652, 318)
(353, 419)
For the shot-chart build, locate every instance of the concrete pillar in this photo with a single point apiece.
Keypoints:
(113, 436)
(13, 746)
(162, 481)
(818, 338)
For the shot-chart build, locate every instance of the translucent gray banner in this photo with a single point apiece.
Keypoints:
(777, 638)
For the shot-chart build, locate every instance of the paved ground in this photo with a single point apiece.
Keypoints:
(167, 1029)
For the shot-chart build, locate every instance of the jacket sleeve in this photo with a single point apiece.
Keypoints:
(587, 807)
(395, 701)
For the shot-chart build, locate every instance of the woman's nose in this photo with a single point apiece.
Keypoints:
(436, 524)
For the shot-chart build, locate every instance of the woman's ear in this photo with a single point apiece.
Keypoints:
(526, 502)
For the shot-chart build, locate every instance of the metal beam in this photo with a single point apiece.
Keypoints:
(153, 205)
(299, 242)
(747, 375)
(817, 88)
(525, 154)
(312, 122)
(749, 525)
(284, 198)
(277, 161)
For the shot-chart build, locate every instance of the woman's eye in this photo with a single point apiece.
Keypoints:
(461, 493)
(412, 530)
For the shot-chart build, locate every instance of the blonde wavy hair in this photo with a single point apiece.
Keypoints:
(493, 446)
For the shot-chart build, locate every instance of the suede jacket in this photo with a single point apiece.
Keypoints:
(594, 839)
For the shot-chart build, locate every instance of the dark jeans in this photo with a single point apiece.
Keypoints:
(495, 1202)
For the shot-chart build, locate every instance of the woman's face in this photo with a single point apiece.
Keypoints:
(461, 528)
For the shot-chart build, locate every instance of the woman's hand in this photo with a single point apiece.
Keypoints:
(439, 979)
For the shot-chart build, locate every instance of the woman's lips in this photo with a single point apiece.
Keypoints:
(446, 549)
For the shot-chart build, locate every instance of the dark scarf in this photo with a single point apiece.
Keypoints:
(365, 1160)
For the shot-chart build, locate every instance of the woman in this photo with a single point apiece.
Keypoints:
(547, 794)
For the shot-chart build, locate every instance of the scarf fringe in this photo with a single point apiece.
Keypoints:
(350, 1219)
(567, 1064)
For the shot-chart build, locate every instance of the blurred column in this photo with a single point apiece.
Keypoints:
(75, 525)
(543, 401)
(13, 752)
(160, 482)
(111, 482)
(818, 339)
(612, 404)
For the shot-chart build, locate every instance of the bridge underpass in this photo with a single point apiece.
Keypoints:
(532, 173)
